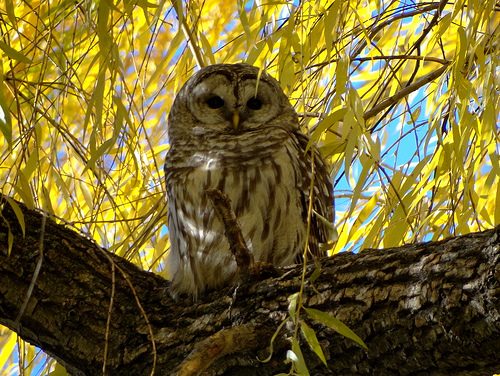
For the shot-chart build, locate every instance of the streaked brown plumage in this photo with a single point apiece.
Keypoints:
(223, 136)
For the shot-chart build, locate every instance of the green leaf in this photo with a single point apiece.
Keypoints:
(295, 355)
(332, 230)
(334, 324)
(312, 340)
(316, 273)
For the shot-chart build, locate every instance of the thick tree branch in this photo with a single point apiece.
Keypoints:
(429, 308)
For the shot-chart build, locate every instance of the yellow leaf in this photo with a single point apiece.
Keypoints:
(7, 349)
(363, 215)
(352, 128)
(12, 16)
(335, 116)
(461, 51)
(207, 48)
(331, 23)
(87, 195)
(360, 182)
(23, 189)
(108, 144)
(5, 117)
(18, 212)
(341, 75)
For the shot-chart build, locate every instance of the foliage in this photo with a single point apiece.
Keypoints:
(401, 96)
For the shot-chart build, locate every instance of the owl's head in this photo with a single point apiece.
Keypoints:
(230, 99)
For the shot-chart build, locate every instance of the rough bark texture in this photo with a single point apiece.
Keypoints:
(421, 309)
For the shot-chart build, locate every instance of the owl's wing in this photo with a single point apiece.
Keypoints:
(323, 206)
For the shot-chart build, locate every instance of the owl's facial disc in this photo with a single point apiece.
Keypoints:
(233, 104)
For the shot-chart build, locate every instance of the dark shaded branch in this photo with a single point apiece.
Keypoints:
(429, 308)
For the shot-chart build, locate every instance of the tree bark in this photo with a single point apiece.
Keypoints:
(430, 308)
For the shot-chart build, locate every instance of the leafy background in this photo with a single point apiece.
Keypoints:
(401, 96)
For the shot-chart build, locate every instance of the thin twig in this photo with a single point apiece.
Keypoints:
(191, 41)
(127, 279)
(403, 57)
(108, 321)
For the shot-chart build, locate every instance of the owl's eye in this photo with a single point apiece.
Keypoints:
(215, 102)
(254, 104)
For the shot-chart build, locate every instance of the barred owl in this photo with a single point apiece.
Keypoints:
(233, 130)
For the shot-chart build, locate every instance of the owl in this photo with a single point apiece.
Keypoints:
(233, 129)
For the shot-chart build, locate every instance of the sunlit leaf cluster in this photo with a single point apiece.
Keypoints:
(402, 97)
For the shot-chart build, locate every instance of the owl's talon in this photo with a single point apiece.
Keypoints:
(263, 270)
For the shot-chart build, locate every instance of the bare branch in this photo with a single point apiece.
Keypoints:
(404, 92)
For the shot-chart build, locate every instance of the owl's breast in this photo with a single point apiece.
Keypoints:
(265, 193)
(265, 196)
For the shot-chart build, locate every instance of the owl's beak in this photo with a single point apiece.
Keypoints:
(236, 119)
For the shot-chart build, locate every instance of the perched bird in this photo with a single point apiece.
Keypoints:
(233, 129)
